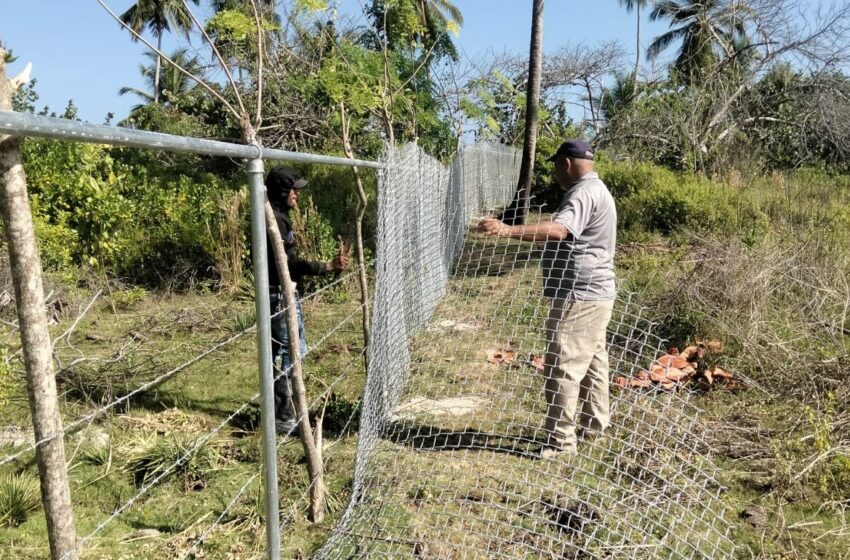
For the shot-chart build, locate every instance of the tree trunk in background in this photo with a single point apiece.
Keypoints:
(532, 104)
(637, 47)
(362, 201)
(35, 339)
(593, 113)
(158, 69)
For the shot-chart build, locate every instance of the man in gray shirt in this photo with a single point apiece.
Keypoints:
(578, 278)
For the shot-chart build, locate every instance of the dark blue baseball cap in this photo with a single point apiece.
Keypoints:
(578, 149)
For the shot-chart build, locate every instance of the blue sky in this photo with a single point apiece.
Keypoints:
(78, 52)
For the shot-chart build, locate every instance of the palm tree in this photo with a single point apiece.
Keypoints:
(429, 25)
(706, 29)
(437, 15)
(173, 83)
(635, 5)
(158, 16)
(517, 212)
(619, 96)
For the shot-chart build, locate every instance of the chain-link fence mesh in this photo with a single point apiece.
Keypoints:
(448, 462)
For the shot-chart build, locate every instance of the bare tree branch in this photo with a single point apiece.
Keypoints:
(188, 74)
(221, 60)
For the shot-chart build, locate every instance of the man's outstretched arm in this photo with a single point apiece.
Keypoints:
(546, 231)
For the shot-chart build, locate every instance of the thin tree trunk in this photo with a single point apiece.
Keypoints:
(535, 69)
(387, 117)
(637, 47)
(308, 440)
(35, 339)
(386, 97)
(362, 201)
(156, 76)
(593, 115)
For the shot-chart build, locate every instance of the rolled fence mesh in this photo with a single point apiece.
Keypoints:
(448, 462)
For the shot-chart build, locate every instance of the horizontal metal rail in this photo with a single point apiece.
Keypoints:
(24, 124)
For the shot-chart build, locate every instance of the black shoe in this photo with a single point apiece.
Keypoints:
(288, 427)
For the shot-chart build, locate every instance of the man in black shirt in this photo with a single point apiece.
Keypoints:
(283, 185)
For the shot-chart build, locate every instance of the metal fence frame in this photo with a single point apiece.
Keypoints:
(27, 125)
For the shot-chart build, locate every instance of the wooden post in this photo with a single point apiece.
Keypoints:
(35, 338)
(362, 201)
(315, 468)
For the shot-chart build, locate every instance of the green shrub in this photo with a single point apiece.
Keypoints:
(805, 200)
(19, 497)
(77, 186)
(627, 179)
(173, 238)
(314, 235)
(164, 458)
(91, 209)
(56, 244)
(341, 415)
(97, 455)
(651, 199)
(314, 240)
(334, 194)
(126, 299)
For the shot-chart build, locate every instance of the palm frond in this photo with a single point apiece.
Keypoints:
(665, 9)
(447, 8)
(137, 92)
(662, 42)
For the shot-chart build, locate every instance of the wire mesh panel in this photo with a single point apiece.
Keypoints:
(448, 462)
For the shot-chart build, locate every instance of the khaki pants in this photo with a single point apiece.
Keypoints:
(576, 369)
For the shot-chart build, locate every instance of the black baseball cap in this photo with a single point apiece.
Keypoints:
(578, 149)
(284, 179)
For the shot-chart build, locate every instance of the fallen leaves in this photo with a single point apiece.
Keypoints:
(680, 369)
(537, 362)
(501, 356)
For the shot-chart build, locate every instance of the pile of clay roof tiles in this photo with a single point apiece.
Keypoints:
(688, 368)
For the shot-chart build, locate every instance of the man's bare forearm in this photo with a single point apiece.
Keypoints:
(547, 231)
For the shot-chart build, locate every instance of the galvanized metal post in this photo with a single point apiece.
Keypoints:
(264, 353)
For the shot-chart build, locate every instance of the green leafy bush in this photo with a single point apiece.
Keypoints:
(174, 236)
(342, 416)
(76, 185)
(627, 179)
(126, 299)
(91, 209)
(333, 191)
(56, 244)
(651, 199)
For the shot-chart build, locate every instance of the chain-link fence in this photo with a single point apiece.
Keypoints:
(449, 455)
(449, 461)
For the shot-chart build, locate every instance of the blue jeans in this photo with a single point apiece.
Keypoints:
(280, 354)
